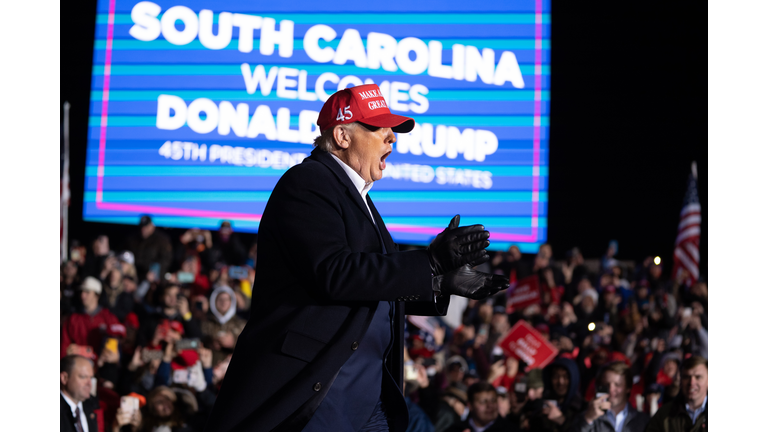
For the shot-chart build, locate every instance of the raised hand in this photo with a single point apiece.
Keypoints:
(466, 282)
(456, 246)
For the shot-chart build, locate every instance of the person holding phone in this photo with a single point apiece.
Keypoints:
(561, 401)
(610, 410)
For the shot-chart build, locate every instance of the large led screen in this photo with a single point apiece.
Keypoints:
(198, 107)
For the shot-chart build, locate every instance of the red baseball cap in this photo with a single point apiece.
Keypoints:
(364, 104)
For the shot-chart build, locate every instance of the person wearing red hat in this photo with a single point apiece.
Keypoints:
(323, 349)
(87, 327)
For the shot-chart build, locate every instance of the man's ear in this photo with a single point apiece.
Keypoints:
(341, 136)
(64, 378)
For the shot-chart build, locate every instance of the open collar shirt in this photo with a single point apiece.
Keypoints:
(617, 420)
(694, 414)
(360, 184)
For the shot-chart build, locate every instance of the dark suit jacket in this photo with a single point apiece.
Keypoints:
(68, 420)
(320, 275)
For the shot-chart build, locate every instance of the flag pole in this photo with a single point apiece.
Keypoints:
(65, 186)
(695, 171)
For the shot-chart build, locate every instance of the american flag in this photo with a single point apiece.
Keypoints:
(688, 233)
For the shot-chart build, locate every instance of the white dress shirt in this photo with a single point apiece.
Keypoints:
(74, 407)
(360, 184)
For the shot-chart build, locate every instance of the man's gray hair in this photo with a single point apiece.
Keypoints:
(326, 141)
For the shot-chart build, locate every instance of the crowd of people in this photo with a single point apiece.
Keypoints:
(147, 334)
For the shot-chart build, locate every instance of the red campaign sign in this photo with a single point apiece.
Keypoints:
(525, 293)
(526, 344)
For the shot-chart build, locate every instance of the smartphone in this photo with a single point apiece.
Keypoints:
(129, 404)
(236, 272)
(410, 372)
(74, 255)
(149, 355)
(483, 330)
(199, 305)
(187, 344)
(601, 390)
(687, 312)
(185, 277)
(155, 269)
(94, 384)
(111, 344)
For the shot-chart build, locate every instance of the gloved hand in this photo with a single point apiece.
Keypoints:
(456, 246)
(466, 282)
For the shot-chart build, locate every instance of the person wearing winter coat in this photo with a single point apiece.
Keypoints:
(688, 412)
(562, 402)
(223, 326)
(611, 411)
(86, 328)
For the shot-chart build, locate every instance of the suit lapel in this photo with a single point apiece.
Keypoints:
(388, 242)
(328, 160)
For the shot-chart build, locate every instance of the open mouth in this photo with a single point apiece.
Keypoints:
(383, 162)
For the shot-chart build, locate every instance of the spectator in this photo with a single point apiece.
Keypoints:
(688, 412)
(562, 402)
(483, 411)
(503, 401)
(167, 410)
(149, 247)
(125, 302)
(94, 263)
(127, 263)
(68, 285)
(77, 405)
(222, 326)
(509, 264)
(228, 247)
(612, 412)
(457, 367)
(452, 407)
(608, 259)
(85, 328)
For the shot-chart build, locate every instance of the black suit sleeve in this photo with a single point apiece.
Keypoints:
(429, 308)
(311, 227)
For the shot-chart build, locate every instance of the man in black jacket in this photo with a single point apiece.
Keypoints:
(331, 288)
(77, 406)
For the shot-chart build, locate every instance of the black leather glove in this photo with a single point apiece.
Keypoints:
(466, 282)
(456, 246)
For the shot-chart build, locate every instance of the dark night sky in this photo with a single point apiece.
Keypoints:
(628, 115)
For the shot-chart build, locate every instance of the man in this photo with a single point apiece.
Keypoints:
(323, 348)
(483, 411)
(451, 407)
(688, 412)
(85, 329)
(562, 402)
(611, 412)
(151, 246)
(77, 406)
